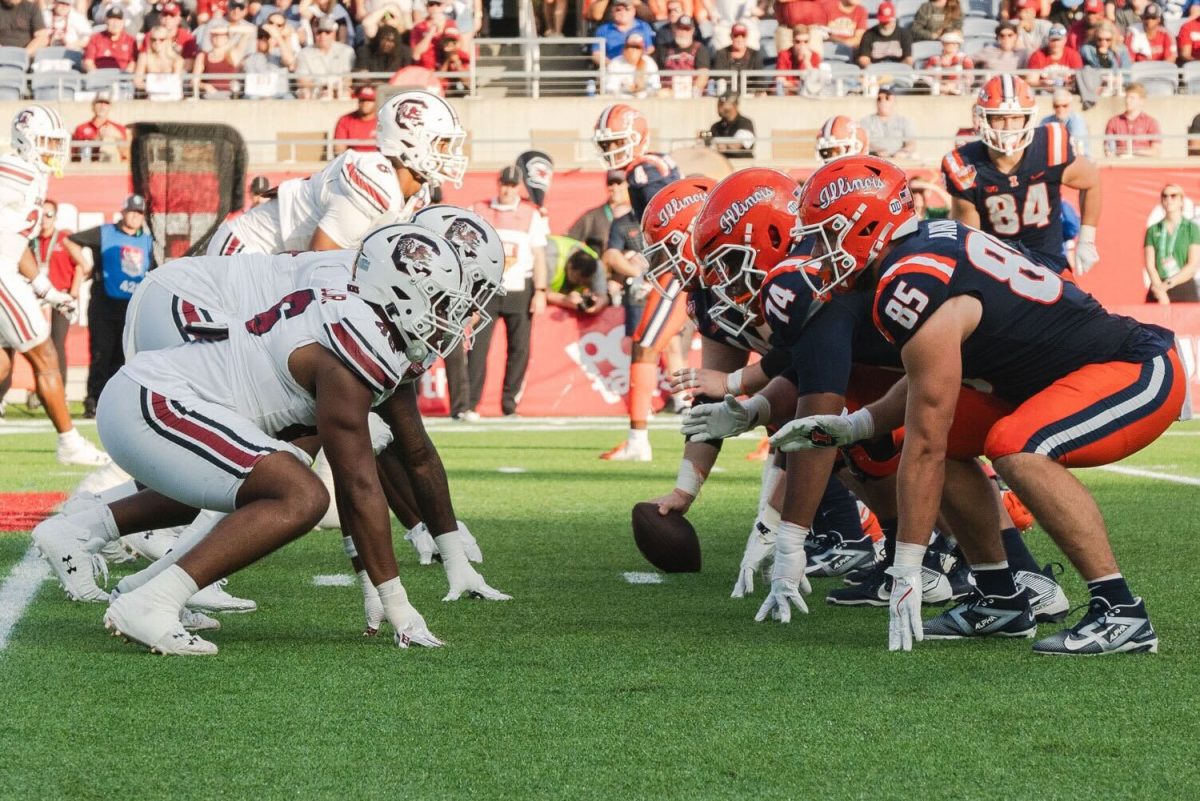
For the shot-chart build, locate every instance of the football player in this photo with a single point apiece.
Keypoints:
(197, 426)
(1076, 387)
(1009, 181)
(622, 136)
(420, 143)
(840, 136)
(42, 147)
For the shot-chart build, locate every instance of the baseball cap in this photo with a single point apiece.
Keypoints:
(510, 175)
(364, 93)
(327, 24)
(135, 203)
(171, 10)
(635, 40)
(952, 36)
(684, 22)
(1152, 11)
(260, 185)
(237, 3)
(739, 30)
(1057, 32)
(452, 34)
(886, 12)
(614, 177)
(1093, 6)
(1036, 5)
(114, 12)
(622, 3)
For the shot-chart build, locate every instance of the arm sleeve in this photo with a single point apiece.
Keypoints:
(776, 362)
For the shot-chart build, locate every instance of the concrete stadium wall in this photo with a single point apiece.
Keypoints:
(501, 128)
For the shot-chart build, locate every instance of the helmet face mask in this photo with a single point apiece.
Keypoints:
(621, 135)
(736, 284)
(39, 137)
(665, 257)
(840, 136)
(1005, 96)
(667, 225)
(829, 266)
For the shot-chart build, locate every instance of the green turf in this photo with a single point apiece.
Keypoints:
(587, 687)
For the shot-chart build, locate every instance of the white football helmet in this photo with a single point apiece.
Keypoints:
(479, 250)
(40, 138)
(415, 276)
(423, 132)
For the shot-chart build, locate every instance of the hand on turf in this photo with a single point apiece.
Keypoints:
(422, 540)
(411, 628)
(713, 421)
(674, 501)
(372, 606)
(760, 549)
(464, 579)
(788, 582)
(904, 608)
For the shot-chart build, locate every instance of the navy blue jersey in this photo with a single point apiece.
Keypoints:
(699, 302)
(625, 234)
(1035, 329)
(1026, 206)
(646, 176)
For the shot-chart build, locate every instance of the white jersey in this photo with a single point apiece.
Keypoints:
(248, 372)
(355, 193)
(22, 192)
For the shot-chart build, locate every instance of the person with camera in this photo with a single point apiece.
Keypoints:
(577, 283)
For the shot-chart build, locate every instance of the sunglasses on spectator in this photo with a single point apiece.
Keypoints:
(1170, 195)
(327, 33)
(159, 39)
(1104, 39)
(1007, 34)
(49, 215)
(1062, 105)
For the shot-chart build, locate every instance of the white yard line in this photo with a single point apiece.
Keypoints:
(633, 577)
(18, 591)
(1139, 473)
(333, 580)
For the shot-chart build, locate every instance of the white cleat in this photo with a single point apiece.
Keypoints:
(114, 554)
(77, 450)
(214, 598)
(152, 545)
(1049, 602)
(198, 621)
(72, 553)
(630, 451)
(97, 481)
(155, 627)
(935, 587)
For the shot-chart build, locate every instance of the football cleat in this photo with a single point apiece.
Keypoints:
(73, 554)
(1021, 516)
(962, 580)
(629, 451)
(153, 626)
(114, 554)
(214, 598)
(78, 451)
(876, 589)
(760, 453)
(152, 545)
(984, 616)
(198, 621)
(1105, 629)
(1047, 598)
(841, 556)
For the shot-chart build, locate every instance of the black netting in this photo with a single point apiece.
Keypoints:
(192, 176)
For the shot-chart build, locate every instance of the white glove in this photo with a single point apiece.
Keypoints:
(372, 606)
(409, 625)
(1086, 255)
(470, 545)
(760, 548)
(824, 431)
(464, 579)
(422, 540)
(60, 301)
(787, 576)
(731, 417)
(904, 608)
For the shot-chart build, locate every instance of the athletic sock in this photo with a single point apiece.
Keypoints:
(1019, 556)
(1112, 589)
(838, 512)
(172, 588)
(994, 578)
(639, 436)
(890, 527)
(643, 383)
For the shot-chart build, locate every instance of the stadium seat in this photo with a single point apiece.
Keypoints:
(1191, 77)
(872, 7)
(987, 9)
(836, 51)
(56, 85)
(1159, 77)
(978, 26)
(906, 10)
(974, 44)
(12, 85)
(107, 80)
(57, 59)
(922, 51)
(849, 76)
(897, 74)
(14, 58)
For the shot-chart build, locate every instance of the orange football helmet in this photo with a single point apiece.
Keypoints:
(1005, 96)
(840, 136)
(852, 208)
(746, 227)
(622, 134)
(667, 230)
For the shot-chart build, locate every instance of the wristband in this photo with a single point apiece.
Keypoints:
(733, 383)
(789, 534)
(909, 554)
(862, 424)
(391, 593)
(41, 285)
(1087, 233)
(348, 544)
(450, 546)
(690, 480)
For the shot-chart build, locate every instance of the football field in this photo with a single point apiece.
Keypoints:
(587, 685)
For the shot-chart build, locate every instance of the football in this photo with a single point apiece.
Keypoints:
(668, 542)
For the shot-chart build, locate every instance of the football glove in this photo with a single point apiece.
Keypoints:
(1086, 254)
(409, 625)
(372, 606)
(824, 431)
(788, 582)
(904, 608)
(60, 301)
(760, 549)
(470, 545)
(464, 579)
(422, 541)
(729, 418)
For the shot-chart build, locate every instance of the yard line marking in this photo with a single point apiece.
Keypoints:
(1133, 471)
(1181, 434)
(333, 580)
(634, 577)
(511, 470)
(18, 591)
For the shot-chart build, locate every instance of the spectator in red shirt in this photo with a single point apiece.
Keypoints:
(1151, 42)
(1189, 41)
(1056, 61)
(790, 13)
(800, 56)
(1081, 30)
(455, 57)
(55, 263)
(112, 48)
(1133, 123)
(208, 9)
(184, 43)
(847, 20)
(100, 129)
(426, 36)
(358, 124)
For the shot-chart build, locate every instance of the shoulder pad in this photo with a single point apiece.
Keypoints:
(1059, 152)
(909, 292)
(363, 342)
(787, 299)
(370, 179)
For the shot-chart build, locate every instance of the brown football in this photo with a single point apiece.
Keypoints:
(668, 542)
